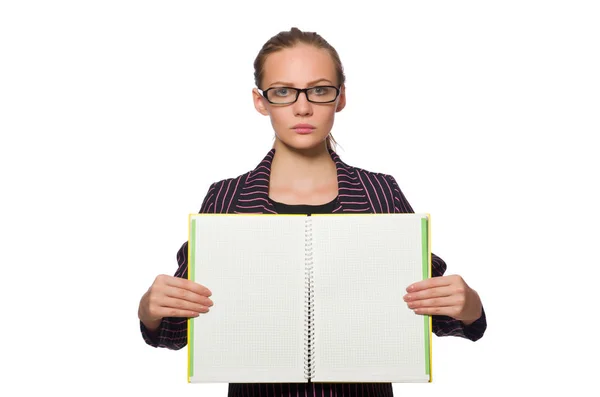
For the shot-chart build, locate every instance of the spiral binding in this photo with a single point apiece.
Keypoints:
(309, 334)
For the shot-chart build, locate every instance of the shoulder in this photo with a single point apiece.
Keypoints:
(223, 195)
(379, 176)
(228, 182)
(222, 192)
(384, 188)
(373, 178)
(378, 181)
(358, 172)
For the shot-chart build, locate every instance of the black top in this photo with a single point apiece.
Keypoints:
(326, 208)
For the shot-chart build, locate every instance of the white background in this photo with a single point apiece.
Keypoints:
(115, 117)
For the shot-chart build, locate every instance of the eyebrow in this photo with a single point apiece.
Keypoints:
(310, 84)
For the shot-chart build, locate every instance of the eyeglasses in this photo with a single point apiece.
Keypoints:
(288, 95)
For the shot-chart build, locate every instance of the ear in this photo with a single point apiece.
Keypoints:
(259, 102)
(342, 99)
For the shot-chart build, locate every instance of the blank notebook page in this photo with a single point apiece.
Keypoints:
(364, 330)
(254, 267)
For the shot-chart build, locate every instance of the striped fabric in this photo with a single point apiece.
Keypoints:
(359, 191)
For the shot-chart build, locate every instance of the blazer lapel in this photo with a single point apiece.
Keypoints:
(254, 196)
(352, 196)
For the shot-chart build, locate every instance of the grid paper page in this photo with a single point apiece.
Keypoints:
(254, 267)
(364, 330)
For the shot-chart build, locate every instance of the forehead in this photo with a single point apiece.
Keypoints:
(299, 65)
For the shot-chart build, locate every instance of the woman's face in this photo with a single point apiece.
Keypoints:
(300, 67)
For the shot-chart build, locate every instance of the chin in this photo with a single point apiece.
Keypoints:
(305, 142)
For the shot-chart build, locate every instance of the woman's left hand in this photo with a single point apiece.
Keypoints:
(446, 296)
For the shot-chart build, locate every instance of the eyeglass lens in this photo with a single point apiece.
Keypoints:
(315, 94)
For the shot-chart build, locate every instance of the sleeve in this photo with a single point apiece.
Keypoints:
(442, 325)
(172, 332)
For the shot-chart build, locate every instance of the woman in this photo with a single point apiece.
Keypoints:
(300, 84)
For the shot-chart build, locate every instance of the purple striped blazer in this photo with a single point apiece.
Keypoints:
(359, 191)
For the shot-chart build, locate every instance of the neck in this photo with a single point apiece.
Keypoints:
(300, 163)
(302, 172)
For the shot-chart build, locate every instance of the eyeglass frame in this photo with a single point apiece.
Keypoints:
(300, 91)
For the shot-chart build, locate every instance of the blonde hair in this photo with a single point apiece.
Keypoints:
(289, 39)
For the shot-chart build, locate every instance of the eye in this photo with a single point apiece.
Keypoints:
(321, 90)
(282, 91)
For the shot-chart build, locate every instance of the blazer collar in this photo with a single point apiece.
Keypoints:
(350, 187)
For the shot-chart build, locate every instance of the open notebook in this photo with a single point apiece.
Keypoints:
(317, 297)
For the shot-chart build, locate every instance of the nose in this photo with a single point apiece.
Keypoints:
(302, 107)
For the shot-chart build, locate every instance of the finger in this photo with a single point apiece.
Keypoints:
(171, 312)
(436, 302)
(180, 304)
(190, 285)
(429, 283)
(451, 311)
(187, 295)
(434, 292)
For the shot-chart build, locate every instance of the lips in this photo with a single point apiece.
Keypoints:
(303, 128)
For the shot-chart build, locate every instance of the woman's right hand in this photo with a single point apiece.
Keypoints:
(170, 296)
